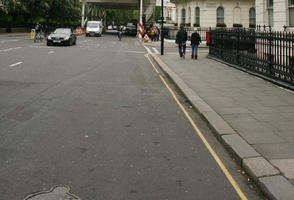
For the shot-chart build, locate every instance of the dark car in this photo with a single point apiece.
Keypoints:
(62, 36)
(130, 29)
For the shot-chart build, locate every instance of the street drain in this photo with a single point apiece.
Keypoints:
(56, 193)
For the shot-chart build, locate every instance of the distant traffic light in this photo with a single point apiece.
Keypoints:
(143, 19)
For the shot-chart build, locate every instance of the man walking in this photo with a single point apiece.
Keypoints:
(181, 40)
(195, 41)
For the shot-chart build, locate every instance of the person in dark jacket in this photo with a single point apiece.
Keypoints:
(195, 41)
(181, 40)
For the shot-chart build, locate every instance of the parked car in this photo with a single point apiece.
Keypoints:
(63, 36)
(114, 27)
(94, 28)
(109, 27)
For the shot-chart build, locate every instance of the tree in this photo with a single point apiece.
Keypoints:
(23, 12)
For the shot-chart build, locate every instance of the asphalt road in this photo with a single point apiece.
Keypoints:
(97, 118)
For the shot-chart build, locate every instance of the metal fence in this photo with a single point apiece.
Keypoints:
(172, 32)
(269, 53)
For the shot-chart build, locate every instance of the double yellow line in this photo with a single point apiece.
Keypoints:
(212, 152)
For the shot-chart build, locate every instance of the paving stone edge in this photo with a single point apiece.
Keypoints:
(243, 153)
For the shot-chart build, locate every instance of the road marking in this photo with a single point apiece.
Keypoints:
(149, 51)
(50, 52)
(10, 49)
(147, 56)
(15, 64)
(4, 41)
(157, 52)
(212, 152)
(134, 52)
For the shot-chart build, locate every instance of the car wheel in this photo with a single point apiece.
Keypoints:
(75, 42)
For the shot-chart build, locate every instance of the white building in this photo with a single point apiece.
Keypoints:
(169, 10)
(275, 13)
(212, 13)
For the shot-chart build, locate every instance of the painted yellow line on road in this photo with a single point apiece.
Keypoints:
(147, 56)
(212, 152)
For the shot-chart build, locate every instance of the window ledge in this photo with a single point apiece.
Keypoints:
(290, 29)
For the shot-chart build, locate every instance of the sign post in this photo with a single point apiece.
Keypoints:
(162, 34)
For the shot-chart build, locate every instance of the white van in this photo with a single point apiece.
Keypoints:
(94, 28)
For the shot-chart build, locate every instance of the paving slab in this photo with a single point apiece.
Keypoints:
(259, 167)
(286, 166)
(239, 147)
(217, 123)
(239, 117)
(277, 187)
(276, 151)
(268, 137)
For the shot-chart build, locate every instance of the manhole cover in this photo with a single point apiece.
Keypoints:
(56, 193)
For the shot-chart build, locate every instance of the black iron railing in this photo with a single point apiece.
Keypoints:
(172, 31)
(269, 53)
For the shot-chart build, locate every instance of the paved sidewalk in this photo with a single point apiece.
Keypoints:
(252, 117)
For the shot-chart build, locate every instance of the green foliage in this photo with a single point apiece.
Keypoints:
(157, 13)
(25, 12)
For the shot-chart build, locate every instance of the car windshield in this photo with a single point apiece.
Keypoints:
(62, 31)
(92, 25)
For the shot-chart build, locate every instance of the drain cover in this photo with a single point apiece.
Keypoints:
(56, 193)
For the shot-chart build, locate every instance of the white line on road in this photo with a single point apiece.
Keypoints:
(4, 41)
(13, 65)
(149, 51)
(156, 51)
(50, 52)
(135, 52)
(10, 49)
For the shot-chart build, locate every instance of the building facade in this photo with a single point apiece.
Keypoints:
(212, 13)
(275, 13)
(169, 10)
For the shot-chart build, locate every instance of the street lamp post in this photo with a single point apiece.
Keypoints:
(162, 34)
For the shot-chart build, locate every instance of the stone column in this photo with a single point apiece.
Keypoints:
(261, 13)
(192, 14)
(280, 14)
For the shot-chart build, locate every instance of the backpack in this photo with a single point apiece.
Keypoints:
(152, 32)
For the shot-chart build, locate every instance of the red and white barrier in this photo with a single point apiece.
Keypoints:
(140, 31)
(80, 31)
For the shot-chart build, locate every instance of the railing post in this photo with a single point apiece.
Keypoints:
(222, 43)
(237, 46)
(270, 67)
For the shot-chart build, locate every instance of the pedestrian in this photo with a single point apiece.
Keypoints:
(195, 41)
(152, 34)
(156, 34)
(181, 40)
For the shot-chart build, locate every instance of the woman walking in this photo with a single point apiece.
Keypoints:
(195, 41)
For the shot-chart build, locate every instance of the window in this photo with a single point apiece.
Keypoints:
(183, 16)
(252, 17)
(220, 19)
(291, 12)
(197, 16)
(270, 12)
